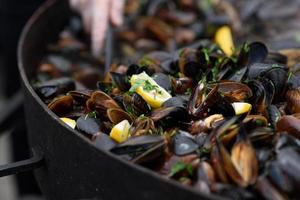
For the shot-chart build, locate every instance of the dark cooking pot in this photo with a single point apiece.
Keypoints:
(70, 166)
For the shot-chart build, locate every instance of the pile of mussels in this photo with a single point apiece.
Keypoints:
(223, 124)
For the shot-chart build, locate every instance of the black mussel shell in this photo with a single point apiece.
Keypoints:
(278, 75)
(54, 87)
(89, 126)
(274, 57)
(175, 102)
(257, 69)
(104, 142)
(120, 81)
(163, 80)
(141, 148)
(273, 114)
(258, 52)
(184, 144)
(136, 69)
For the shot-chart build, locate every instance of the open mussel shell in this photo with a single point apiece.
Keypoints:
(213, 103)
(189, 63)
(292, 98)
(278, 76)
(61, 105)
(262, 136)
(243, 157)
(120, 81)
(233, 91)
(168, 113)
(289, 124)
(89, 126)
(142, 126)
(81, 96)
(181, 85)
(293, 56)
(88, 76)
(116, 115)
(135, 104)
(150, 146)
(183, 143)
(101, 102)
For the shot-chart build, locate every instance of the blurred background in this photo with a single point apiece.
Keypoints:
(276, 22)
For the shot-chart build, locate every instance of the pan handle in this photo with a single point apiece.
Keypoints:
(35, 162)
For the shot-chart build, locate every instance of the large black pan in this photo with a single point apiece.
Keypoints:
(72, 167)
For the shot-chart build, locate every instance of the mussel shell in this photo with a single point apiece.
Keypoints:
(141, 148)
(289, 160)
(88, 76)
(276, 57)
(286, 140)
(261, 136)
(189, 63)
(163, 80)
(104, 142)
(273, 114)
(120, 81)
(258, 52)
(89, 126)
(292, 98)
(269, 90)
(289, 124)
(136, 69)
(54, 87)
(61, 105)
(175, 113)
(277, 177)
(267, 190)
(278, 75)
(232, 192)
(183, 144)
(175, 102)
(135, 104)
(81, 96)
(116, 115)
(257, 69)
(233, 91)
(181, 85)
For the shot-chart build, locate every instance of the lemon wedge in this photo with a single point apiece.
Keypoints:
(149, 90)
(241, 107)
(120, 131)
(69, 122)
(224, 39)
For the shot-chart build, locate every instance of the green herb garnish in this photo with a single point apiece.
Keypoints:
(136, 85)
(179, 167)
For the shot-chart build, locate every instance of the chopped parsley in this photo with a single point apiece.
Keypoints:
(147, 86)
(136, 85)
(179, 167)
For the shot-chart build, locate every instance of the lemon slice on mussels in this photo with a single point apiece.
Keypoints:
(241, 107)
(149, 90)
(69, 122)
(224, 39)
(120, 131)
